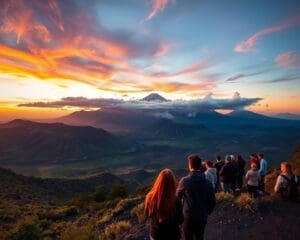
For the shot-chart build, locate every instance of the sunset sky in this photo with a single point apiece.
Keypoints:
(126, 49)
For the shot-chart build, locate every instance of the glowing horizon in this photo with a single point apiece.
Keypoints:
(51, 50)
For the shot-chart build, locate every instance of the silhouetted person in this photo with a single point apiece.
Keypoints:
(164, 208)
(262, 171)
(235, 174)
(218, 166)
(241, 171)
(227, 175)
(198, 200)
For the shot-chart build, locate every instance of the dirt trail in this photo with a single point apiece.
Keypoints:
(277, 221)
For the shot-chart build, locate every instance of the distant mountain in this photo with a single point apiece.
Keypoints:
(23, 188)
(154, 97)
(23, 142)
(244, 114)
(112, 120)
(248, 115)
(288, 116)
(248, 118)
(165, 128)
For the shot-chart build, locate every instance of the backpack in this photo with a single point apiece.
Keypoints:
(291, 190)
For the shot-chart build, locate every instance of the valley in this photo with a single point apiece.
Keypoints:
(59, 150)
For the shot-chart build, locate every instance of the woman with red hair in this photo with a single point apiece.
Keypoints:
(163, 208)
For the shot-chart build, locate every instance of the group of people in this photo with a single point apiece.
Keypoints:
(228, 175)
(189, 203)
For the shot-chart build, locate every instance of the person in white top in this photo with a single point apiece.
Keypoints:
(253, 178)
(284, 180)
(211, 173)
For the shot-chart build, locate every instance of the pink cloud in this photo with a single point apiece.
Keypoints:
(288, 60)
(248, 44)
(158, 6)
(163, 49)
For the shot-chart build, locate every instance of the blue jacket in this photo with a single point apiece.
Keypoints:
(263, 167)
(198, 196)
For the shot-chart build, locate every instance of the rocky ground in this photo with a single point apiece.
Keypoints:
(266, 218)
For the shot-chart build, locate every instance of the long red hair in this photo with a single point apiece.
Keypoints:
(161, 199)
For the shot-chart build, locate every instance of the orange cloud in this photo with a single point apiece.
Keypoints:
(248, 44)
(288, 60)
(158, 6)
(42, 43)
(181, 87)
(19, 19)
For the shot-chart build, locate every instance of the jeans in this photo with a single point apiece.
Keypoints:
(252, 190)
(240, 181)
(194, 229)
(262, 183)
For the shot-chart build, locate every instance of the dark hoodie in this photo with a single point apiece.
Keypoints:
(198, 196)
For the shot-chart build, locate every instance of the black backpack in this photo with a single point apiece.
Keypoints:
(291, 190)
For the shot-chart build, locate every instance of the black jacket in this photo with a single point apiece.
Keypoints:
(198, 196)
(228, 173)
(241, 167)
(218, 166)
(167, 229)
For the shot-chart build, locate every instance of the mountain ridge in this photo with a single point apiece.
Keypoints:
(24, 142)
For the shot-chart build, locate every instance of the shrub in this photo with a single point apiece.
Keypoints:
(112, 231)
(245, 201)
(106, 217)
(86, 232)
(100, 194)
(139, 212)
(125, 204)
(26, 231)
(81, 201)
(270, 179)
(63, 213)
(118, 191)
(224, 197)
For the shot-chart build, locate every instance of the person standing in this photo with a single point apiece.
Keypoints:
(235, 174)
(254, 159)
(253, 179)
(241, 171)
(287, 183)
(262, 171)
(218, 166)
(211, 173)
(227, 175)
(198, 200)
(163, 208)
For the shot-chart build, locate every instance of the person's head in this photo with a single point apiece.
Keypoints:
(227, 159)
(285, 167)
(239, 158)
(218, 158)
(194, 162)
(260, 156)
(161, 198)
(254, 166)
(208, 164)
